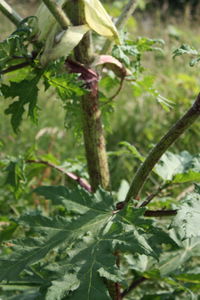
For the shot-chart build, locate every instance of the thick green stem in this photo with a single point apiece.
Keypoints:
(155, 154)
(58, 13)
(10, 13)
(91, 115)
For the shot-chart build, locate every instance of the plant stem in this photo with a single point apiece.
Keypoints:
(58, 13)
(10, 13)
(133, 285)
(72, 176)
(160, 213)
(155, 154)
(91, 115)
(151, 196)
(16, 67)
(126, 14)
(121, 21)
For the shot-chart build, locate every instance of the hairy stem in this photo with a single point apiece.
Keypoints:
(151, 196)
(10, 13)
(121, 21)
(72, 176)
(91, 115)
(58, 13)
(133, 285)
(155, 154)
(160, 213)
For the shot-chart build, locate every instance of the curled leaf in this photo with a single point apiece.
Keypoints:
(98, 20)
(63, 43)
(113, 64)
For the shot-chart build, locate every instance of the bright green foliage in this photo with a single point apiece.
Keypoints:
(187, 49)
(88, 241)
(15, 48)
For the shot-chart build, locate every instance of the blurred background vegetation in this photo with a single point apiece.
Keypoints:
(137, 117)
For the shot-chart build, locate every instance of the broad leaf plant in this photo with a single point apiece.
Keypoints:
(105, 244)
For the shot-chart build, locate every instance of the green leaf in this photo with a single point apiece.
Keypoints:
(190, 176)
(58, 288)
(133, 150)
(27, 93)
(187, 220)
(185, 49)
(16, 177)
(173, 261)
(179, 168)
(189, 277)
(78, 200)
(88, 243)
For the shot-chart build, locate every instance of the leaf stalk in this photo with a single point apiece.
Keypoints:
(155, 154)
(10, 13)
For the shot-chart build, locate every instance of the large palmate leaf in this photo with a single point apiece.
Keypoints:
(88, 243)
(187, 220)
(174, 261)
(179, 168)
(78, 200)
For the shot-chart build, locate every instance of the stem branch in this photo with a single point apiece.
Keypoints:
(72, 176)
(133, 285)
(160, 213)
(58, 13)
(121, 21)
(155, 154)
(10, 13)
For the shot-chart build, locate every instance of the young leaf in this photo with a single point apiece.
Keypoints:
(185, 49)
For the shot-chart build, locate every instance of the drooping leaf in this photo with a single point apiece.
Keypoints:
(61, 44)
(27, 93)
(98, 19)
(111, 63)
(16, 178)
